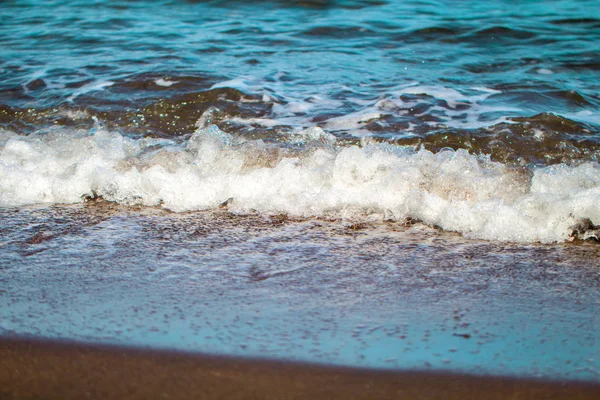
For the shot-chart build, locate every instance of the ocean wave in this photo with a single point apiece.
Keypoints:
(313, 174)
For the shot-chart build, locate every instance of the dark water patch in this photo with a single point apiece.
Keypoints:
(360, 4)
(498, 35)
(150, 84)
(118, 23)
(583, 65)
(503, 32)
(540, 140)
(509, 87)
(87, 40)
(135, 91)
(553, 123)
(178, 115)
(434, 33)
(338, 32)
(384, 25)
(302, 4)
(64, 71)
(583, 22)
(501, 66)
(386, 124)
(25, 121)
(147, 104)
(36, 84)
(249, 30)
(320, 52)
(79, 83)
(540, 99)
(189, 108)
(210, 49)
(14, 94)
(277, 42)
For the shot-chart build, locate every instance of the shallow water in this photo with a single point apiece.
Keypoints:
(340, 157)
(378, 295)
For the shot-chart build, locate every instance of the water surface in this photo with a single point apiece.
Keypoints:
(374, 183)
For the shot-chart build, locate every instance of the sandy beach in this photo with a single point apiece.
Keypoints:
(32, 369)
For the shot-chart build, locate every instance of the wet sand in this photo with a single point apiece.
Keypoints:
(34, 369)
(389, 296)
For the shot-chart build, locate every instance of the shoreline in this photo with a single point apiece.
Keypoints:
(390, 296)
(55, 369)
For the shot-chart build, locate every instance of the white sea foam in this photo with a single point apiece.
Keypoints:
(545, 71)
(165, 82)
(465, 109)
(455, 190)
(90, 87)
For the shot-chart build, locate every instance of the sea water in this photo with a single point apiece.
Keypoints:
(351, 175)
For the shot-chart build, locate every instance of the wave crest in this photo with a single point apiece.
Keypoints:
(310, 175)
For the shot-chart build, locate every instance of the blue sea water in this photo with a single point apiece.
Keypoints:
(399, 184)
(535, 56)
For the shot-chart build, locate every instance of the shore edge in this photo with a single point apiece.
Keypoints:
(45, 369)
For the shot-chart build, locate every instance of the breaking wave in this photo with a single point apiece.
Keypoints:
(310, 174)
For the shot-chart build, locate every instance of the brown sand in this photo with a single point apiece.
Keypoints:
(50, 370)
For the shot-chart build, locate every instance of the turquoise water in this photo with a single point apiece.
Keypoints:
(536, 56)
(388, 184)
